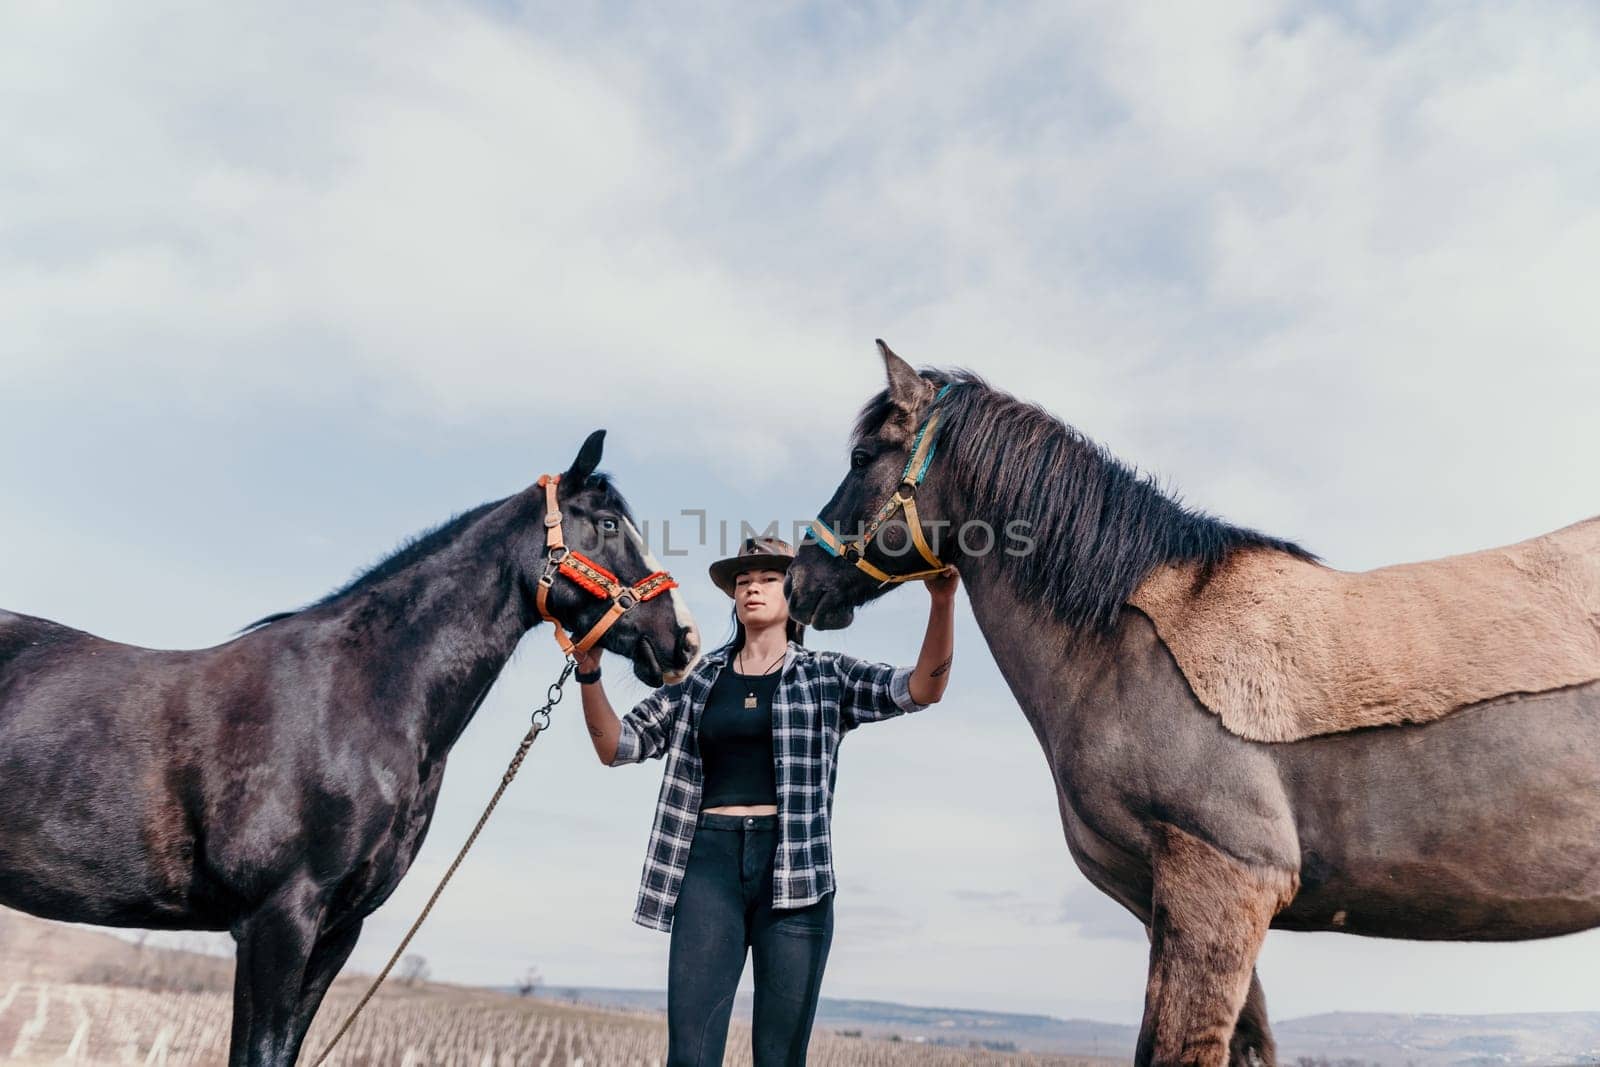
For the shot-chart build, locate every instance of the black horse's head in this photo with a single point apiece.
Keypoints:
(658, 634)
(824, 589)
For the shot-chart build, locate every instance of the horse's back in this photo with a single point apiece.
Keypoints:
(92, 806)
(171, 788)
(1283, 649)
(20, 633)
(29, 644)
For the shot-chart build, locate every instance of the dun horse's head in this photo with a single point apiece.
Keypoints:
(655, 631)
(853, 558)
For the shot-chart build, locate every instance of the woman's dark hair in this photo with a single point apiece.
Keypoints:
(796, 630)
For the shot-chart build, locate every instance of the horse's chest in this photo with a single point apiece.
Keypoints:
(391, 852)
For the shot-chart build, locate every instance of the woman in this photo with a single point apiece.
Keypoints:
(740, 854)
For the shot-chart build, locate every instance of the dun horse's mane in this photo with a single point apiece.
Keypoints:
(420, 546)
(1099, 527)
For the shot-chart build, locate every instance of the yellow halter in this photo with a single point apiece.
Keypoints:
(855, 551)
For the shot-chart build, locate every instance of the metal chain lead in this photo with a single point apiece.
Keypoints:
(541, 721)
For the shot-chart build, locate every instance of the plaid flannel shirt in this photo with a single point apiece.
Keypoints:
(820, 696)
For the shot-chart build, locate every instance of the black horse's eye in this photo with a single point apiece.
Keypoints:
(859, 458)
(608, 525)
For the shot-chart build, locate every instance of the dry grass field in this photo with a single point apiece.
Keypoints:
(73, 996)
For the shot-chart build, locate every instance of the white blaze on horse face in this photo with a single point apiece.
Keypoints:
(680, 608)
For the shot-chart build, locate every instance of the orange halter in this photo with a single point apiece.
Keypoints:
(589, 576)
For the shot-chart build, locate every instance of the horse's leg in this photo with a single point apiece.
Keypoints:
(1209, 915)
(332, 950)
(1252, 1044)
(275, 943)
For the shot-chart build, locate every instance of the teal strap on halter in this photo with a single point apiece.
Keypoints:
(922, 472)
(824, 543)
(905, 475)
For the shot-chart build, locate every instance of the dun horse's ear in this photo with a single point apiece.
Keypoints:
(906, 387)
(588, 459)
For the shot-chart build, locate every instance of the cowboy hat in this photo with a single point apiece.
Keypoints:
(756, 554)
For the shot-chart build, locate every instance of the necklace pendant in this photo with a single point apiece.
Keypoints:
(750, 700)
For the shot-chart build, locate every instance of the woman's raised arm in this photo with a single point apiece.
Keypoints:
(932, 674)
(602, 722)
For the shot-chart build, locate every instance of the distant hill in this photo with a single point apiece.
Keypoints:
(1430, 1040)
(1393, 1040)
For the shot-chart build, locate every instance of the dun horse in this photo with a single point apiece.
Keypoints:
(279, 786)
(1482, 824)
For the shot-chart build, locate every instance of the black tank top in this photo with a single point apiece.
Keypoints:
(736, 741)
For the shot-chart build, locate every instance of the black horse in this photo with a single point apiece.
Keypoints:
(279, 786)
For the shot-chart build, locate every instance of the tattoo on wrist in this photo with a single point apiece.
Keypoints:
(938, 672)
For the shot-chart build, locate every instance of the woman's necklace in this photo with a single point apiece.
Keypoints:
(750, 693)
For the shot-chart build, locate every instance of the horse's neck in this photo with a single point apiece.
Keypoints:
(435, 636)
(1037, 655)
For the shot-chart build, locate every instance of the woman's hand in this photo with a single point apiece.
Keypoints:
(942, 586)
(588, 662)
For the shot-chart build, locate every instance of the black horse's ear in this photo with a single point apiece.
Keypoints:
(588, 459)
(907, 389)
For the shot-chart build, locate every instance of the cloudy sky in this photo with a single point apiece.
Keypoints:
(282, 284)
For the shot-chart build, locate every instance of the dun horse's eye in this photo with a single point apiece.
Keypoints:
(859, 459)
(608, 525)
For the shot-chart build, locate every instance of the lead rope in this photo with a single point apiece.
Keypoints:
(553, 698)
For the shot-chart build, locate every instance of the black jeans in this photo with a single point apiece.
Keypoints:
(725, 908)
